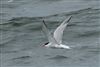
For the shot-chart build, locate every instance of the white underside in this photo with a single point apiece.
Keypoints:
(58, 46)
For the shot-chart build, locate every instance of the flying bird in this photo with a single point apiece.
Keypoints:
(55, 40)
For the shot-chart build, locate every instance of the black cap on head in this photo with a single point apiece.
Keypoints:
(46, 43)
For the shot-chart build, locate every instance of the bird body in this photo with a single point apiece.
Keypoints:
(61, 46)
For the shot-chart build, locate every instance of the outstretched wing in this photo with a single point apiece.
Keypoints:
(59, 31)
(48, 34)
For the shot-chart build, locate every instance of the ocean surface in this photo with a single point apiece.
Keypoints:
(21, 35)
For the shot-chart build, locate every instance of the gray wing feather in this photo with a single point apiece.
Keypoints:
(58, 33)
(48, 34)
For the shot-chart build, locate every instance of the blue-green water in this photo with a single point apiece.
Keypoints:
(21, 35)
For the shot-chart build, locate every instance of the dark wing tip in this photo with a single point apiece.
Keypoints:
(44, 23)
(69, 19)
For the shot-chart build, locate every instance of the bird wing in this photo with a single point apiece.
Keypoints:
(59, 31)
(48, 34)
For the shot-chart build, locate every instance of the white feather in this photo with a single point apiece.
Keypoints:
(58, 33)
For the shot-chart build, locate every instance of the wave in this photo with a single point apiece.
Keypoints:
(82, 12)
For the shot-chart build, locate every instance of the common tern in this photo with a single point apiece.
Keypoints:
(55, 40)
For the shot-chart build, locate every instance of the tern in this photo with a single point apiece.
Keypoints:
(55, 40)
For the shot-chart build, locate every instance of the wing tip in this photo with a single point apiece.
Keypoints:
(69, 19)
(44, 23)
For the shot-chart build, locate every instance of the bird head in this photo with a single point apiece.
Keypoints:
(45, 44)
